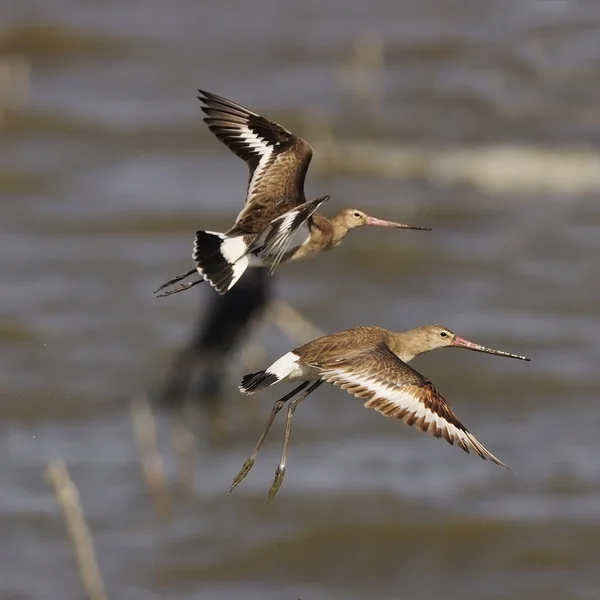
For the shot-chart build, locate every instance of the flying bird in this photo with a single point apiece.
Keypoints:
(369, 363)
(276, 208)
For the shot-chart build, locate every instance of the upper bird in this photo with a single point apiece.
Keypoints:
(275, 208)
(370, 363)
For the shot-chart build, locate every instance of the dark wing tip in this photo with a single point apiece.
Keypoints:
(202, 94)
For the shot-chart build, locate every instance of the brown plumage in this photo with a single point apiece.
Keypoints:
(371, 363)
(277, 161)
(276, 207)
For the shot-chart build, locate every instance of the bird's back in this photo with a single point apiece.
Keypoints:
(341, 346)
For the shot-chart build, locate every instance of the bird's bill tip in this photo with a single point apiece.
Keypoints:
(382, 223)
(462, 343)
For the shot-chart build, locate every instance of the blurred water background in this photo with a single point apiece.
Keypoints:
(479, 119)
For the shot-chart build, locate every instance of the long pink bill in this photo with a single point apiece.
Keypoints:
(462, 343)
(381, 223)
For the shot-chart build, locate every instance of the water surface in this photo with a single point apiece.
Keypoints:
(107, 170)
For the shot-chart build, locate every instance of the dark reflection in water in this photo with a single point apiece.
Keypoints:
(482, 122)
(199, 370)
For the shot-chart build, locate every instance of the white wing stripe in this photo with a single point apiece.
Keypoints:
(260, 146)
(401, 399)
(252, 140)
(257, 174)
(282, 231)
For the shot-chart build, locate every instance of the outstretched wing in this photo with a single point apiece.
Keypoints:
(277, 159)
(396, 390)
(273, 241)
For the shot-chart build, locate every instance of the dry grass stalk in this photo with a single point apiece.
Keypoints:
(79, 534)
(184, 444)
(296, 326)
(151, 460)
(361, 73)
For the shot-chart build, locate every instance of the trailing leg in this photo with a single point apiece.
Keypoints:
(276, 408)
(174, 280)
(280, 472)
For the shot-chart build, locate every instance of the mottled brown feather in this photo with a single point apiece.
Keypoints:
(336, 348)
(354, 358)
(279, 186)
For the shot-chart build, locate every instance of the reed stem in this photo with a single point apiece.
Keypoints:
(78, 532)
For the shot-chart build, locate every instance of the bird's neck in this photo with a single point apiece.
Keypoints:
(322, 236)
(404, 346)
(339, 229)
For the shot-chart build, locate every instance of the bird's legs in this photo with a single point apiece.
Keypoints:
(276, 408)
(179, 288)
(280, 472)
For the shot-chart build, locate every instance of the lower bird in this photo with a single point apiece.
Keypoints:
(276, 208)
(369, 363)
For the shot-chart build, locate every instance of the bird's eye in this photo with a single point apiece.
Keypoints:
(444, 334)
(357, 214)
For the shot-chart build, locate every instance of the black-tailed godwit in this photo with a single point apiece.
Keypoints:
(276, 207)
(369, 363)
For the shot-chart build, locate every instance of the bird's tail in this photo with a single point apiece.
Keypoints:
(254, 382)
(220, 259)
(279, 370)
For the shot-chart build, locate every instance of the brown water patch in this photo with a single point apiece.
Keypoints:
(426, 51)
(48, 405)
(139, 225)
(57, 123)
(565, 485)
(384, 260)
(52, 41)
(151, 225)
(373, 551)
(12, 331)
(171, 140)
(23, 182)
